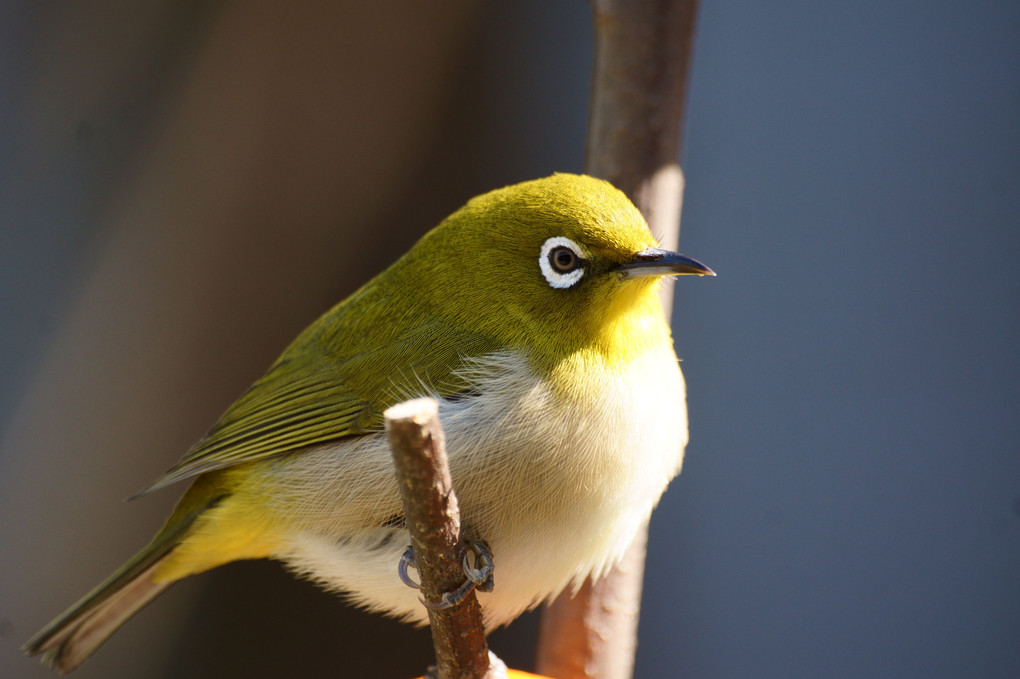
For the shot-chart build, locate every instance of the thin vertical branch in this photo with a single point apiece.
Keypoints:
(433, 520)
(635, 129)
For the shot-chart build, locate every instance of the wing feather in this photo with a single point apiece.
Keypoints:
(315, 394)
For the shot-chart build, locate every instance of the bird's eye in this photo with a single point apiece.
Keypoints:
(564, 259)
(561, 261)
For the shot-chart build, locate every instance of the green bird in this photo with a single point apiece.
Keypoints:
(531, 315)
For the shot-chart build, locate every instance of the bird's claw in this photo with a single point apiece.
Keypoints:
(479, 576)
(449, 599)
(407, 559)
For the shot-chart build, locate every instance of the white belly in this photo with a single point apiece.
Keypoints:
(557, 486)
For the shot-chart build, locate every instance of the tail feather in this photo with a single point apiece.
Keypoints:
(74, 637)
(71, 638)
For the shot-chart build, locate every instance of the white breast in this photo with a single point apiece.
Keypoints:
(556, 484)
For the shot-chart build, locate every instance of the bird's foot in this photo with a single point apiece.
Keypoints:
(407, 559)
(479, 575)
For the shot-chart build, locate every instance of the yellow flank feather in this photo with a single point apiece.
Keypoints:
(232, 530)
(531, 314)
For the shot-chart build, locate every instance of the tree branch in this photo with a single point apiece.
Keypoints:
(635, 129)
(433, 520)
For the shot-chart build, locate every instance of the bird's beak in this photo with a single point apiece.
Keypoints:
(656, 262)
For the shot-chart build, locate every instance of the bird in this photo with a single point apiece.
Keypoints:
(531, 315)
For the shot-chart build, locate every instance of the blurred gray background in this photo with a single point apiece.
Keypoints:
(185, 185)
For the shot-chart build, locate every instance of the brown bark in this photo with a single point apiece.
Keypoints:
(433, 520)
(642, 55)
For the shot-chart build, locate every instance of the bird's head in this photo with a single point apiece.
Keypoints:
(548, 266)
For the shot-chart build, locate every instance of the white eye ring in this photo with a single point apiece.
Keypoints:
(562, 278)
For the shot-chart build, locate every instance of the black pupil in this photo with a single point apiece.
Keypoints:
(564, 259)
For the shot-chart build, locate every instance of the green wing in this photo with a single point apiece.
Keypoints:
(285, 410)
(326, 387)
